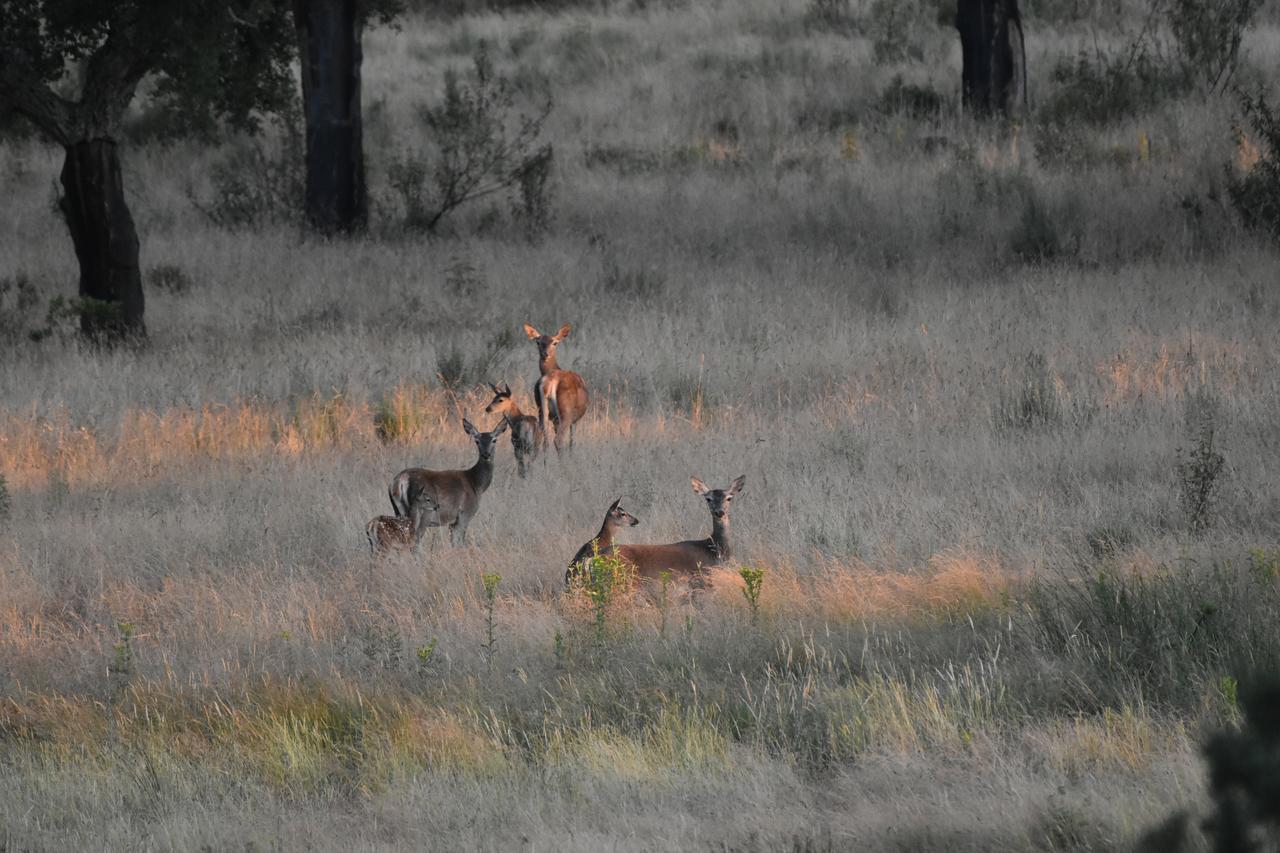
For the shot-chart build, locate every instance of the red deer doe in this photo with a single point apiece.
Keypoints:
(688, 560)
(526, 435)
(561, 395)
(615, 518)
(393, 533)
(439, 498)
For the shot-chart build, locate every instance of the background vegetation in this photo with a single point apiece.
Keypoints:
(1005, 397)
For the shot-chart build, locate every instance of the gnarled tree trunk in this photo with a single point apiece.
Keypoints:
(329, 50)
(994, 78)
(105, 239)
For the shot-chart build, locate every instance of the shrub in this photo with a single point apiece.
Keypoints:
(64, 316)
(1208, 34)
(456, 371)
(256, 183)
(18, 299)
(1255, 190)
(170, 278)
(1199, 470)
(1033, 401)
(830, 15)
(1100, 89)
(477, 148)
(893, 26)
(4, 498)
(917, 101)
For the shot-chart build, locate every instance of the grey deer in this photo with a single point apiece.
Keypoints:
(561, 395)
(688, 560)
(454, 496)
(526, 434)
(615, 518)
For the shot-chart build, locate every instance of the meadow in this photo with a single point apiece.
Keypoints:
(964, 367)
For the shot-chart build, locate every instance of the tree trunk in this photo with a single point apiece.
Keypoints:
(994, 77)
(329, 50)
(105, 239)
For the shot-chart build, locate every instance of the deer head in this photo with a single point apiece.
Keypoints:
(718, 500)
(547, 343)
(486, 442)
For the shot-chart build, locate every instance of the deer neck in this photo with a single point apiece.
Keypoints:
(481, 474)
(720, 537)
(604, 539)
(547, 364)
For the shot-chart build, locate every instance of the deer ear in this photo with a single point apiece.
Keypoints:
(494, 387)
(506, 389)
(737, 485)
(564, 332)
(531, 332)
(614, 505)
(699, 486)
(467, 425)
(499, 429)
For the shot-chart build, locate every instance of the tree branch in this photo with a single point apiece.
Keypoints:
(23, 91)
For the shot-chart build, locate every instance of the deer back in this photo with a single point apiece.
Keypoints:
(454, 492)
(684, 560)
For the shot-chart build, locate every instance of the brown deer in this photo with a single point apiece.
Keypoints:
(393, 533)
(615, 518)
(440, 498)
(526, 435)
(561, 395)
(688, 560)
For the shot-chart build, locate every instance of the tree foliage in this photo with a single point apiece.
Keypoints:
(73, 66)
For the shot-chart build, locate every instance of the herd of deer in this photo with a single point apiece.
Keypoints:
(423, 498)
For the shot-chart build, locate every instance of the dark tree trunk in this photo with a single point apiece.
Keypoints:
(105, 239)
(994, 78)
(329, 50)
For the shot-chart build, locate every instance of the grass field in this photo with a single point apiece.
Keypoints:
(959, 369)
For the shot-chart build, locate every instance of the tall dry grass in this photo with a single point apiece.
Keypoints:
(955, 371)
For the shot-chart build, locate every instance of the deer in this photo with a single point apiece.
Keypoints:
(439, 498)
(688, 560)
(526, 433)
(393, 533)
(561, 395)
(615, 518)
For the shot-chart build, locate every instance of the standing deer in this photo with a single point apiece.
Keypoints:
(688, 560)
(561, 395)
(526, 434)
(393, 533)
(439, 498)
(615, 518)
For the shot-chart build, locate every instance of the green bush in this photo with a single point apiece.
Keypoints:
(1099, 89)
(257, 182)
(477, 147)
(1208, 34)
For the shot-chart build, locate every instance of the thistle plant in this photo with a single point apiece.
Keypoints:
(754, 580)
(490, 581)
(664, 578)
(122, 651)
(425, 654)
(604, 574)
